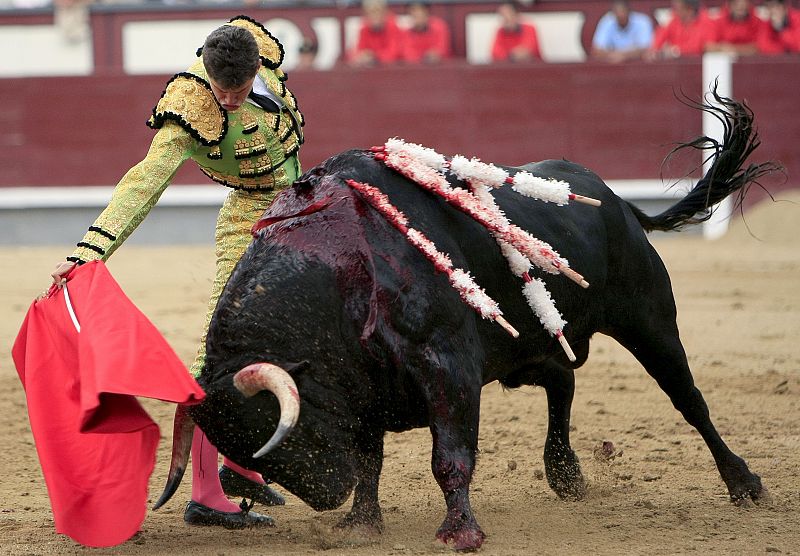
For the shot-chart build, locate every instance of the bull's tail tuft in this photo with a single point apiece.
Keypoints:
(727, 175)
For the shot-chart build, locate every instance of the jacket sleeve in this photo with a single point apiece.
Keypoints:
(136, 194)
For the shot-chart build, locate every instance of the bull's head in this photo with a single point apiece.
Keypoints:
(253, 428)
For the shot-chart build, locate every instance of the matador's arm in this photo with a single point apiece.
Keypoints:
(136, 194)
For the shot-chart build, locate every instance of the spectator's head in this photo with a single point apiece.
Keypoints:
(777, 13)
(686, 10)
(231, 59)
(420, 13)
(375, 12)
(307, 52)
(739, 9)
(509, 15)
(622, 11)
(776, 5)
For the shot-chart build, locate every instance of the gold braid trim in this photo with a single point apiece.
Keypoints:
(189, 101)
(269, 48)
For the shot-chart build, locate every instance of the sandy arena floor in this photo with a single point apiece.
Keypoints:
(739, 312)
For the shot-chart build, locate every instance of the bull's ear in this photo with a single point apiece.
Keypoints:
(297, 368)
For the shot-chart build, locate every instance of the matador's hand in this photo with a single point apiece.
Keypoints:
(62, 269)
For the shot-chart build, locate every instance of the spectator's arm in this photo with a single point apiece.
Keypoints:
(499, 51)
(442, 44)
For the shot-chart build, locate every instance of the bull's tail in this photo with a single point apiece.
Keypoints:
(727, 175)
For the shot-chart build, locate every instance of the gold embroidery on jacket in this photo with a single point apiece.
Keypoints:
(248, 147)
(249, 122)
(195, 105)
(260, 166)
(268, 46)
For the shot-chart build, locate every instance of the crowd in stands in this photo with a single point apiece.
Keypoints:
(382, 41)
(737, 30)
(621, 34)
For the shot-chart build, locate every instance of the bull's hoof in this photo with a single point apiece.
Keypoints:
(747, 490)
(463, 540)
(748, 498)
(460, 535)
(565, 477)
(572, 488)
(351, 536)
(363, 521)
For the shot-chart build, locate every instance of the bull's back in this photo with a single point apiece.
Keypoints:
(606, 244)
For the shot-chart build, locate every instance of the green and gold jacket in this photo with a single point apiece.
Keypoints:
(249, 149)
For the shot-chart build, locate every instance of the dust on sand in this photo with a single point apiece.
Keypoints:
(739, 313)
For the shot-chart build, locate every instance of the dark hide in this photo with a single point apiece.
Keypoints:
(387, 345)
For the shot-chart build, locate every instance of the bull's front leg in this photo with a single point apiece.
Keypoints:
(366, 510)
(454, 405)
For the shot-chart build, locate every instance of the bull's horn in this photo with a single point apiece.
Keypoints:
(264, 376)
(182, 431)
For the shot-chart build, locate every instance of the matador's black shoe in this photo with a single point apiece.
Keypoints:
(198, 514)
(235, 485)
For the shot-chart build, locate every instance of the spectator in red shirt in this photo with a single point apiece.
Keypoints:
(686, 34)
(514, 41)
(737, 29)
(428, 38)
(781, 34)
(379, 37)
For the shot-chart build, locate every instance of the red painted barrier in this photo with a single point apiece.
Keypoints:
(619, 121)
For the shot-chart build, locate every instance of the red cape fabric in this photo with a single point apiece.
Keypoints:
(96, 444)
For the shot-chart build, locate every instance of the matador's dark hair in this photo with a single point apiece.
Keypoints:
(230, 56)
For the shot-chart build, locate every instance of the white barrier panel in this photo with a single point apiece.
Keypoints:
(198, 196)
(12, 198)
(166, 47)
(43, 51)
(717, 68)
(23, 198)
(163, 47)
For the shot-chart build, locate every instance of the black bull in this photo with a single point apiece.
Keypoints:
(377, 341)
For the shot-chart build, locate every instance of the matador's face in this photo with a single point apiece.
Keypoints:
(231, 98)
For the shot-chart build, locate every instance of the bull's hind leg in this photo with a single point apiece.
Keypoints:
(560, 461)
(561, 464)
(658, 348)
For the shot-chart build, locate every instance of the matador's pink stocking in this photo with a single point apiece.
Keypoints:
(246, 473)
(206, 489)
